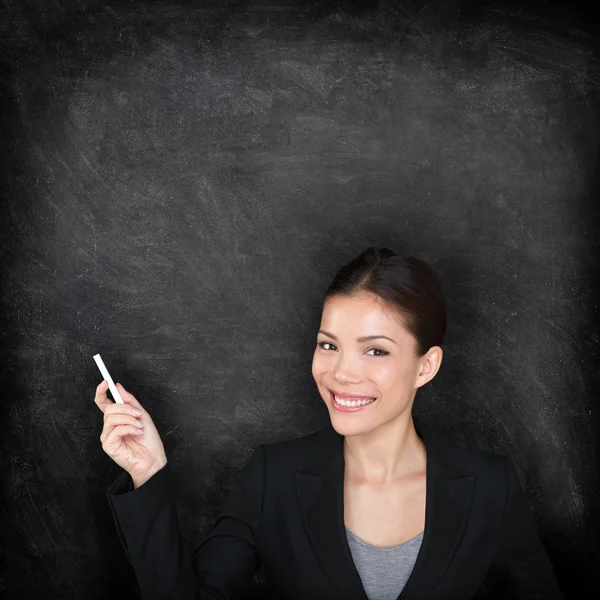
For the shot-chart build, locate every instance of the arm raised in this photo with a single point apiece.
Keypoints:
(166, 565)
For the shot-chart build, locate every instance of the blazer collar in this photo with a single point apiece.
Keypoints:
(320, 489)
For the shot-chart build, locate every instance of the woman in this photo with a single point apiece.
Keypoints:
(375, 506)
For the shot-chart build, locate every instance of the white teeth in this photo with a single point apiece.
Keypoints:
(353, 402)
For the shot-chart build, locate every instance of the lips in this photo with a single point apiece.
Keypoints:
(350, 396)
(347, 409)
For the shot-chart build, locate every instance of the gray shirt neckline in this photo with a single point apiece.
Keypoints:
(410, 542)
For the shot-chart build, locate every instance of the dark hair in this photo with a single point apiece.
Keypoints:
(406, 283)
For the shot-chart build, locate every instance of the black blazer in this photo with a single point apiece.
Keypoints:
(285, 512)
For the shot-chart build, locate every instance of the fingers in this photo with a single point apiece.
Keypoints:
(104, 402)
(122, 422)
(119, 419)
(129, 398)
(111, 439)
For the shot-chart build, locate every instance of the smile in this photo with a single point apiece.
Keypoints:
(349, 404)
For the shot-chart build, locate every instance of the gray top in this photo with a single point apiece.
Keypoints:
(384, 571)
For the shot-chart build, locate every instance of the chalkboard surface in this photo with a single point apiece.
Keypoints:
(180, 182)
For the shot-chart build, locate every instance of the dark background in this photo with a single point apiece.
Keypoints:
(180, 182)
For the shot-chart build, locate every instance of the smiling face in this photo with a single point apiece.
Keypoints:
(387, 370)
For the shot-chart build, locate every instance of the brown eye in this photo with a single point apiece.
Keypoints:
(384, 352)
(321, 344)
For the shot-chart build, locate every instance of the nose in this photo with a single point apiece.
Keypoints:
(345, 372)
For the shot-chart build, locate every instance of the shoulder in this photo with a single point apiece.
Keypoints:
(468, 457)
(309, 452)
(292, 448)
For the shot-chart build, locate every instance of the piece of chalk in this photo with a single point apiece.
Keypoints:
(111, 384)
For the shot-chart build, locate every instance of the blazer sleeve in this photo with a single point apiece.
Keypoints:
(165, 564)
(521, 553)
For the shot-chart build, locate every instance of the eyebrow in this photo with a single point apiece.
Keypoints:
(366, 338)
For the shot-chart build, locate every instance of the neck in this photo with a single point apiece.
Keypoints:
(386, 453)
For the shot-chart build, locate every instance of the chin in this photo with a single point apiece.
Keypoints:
(350, 426)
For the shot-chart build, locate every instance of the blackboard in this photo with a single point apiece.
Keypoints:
(180, 182)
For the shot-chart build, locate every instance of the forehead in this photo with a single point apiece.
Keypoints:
(364, 314)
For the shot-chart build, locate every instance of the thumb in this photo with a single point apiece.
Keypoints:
(101, 398)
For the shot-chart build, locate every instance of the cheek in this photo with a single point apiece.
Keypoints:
(388, 375)
(321, 364)
(316, 365)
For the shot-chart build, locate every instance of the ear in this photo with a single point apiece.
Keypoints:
(430, 364)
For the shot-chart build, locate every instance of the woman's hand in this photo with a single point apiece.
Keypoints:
(131, 441)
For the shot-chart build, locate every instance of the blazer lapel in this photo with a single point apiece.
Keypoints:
(448, 505)
(320, 489)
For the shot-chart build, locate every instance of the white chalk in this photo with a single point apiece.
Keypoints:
(111, 384)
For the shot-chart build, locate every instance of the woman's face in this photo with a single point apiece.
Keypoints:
(387, 370)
